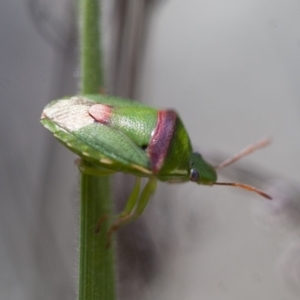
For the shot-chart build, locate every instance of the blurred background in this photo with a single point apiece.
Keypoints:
(232, 70)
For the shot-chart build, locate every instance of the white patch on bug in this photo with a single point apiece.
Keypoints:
(142, 169)
(69, 145)
(70, 114)
(106, 161)
(85, 153)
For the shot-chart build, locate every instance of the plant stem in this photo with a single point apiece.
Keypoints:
(96, 262)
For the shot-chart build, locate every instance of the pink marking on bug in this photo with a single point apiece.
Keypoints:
(101, 113)
(161, 138)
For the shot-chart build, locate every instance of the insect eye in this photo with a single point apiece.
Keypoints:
(194, 175)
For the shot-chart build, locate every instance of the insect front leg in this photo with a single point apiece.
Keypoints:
(132, 200)
(130, 204)
(135, 205)
(147, 192)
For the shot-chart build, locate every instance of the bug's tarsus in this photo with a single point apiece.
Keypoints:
(246, 151)
(100, 223)
(119, 222)
(116, 225)
(246, 187)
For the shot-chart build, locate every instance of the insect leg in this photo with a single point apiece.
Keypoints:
(132, 200)
(125, 214)
(130, 204)
(144, 198)
(135, 205)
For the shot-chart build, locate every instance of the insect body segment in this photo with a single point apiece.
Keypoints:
(200, 171)
(137, 127)
(161, 138)
(160, 133)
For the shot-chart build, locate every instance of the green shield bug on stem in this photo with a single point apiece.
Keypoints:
(115, 135)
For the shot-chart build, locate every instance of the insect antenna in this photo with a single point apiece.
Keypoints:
(246, 151)
(245, 187)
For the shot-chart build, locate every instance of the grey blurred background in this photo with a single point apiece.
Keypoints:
(232, 70)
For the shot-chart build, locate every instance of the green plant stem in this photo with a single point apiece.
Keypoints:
(92, 77)
(96, 262)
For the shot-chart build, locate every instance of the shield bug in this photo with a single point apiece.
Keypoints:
(116, 135)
